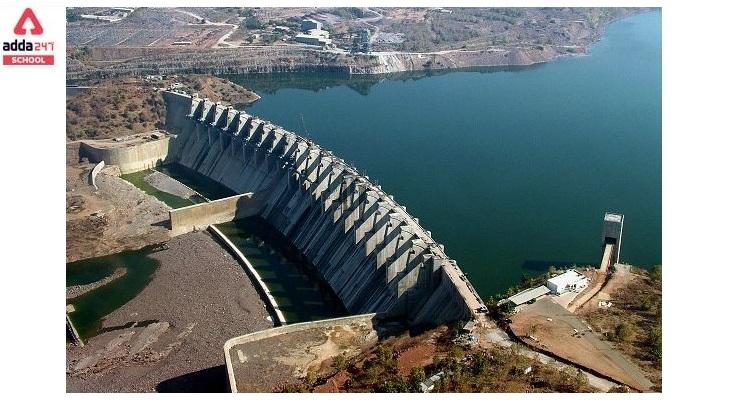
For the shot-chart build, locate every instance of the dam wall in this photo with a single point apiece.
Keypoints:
(372, 253)
(198, 216)
(129, 158)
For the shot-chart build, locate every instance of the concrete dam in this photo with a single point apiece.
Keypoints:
(371, 252)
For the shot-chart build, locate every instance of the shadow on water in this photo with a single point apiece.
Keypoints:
(92, 307)
(290, 278)
(270, 83)
(214, 379)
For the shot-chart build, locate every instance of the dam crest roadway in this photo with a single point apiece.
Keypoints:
(371, 252)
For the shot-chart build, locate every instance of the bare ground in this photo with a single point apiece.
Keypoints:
(170, 337)
(636, 303)
(548, 326)
(273, 363)
(115, 218)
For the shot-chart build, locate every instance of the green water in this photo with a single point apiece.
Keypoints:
(204, 186)
(171, 200)
(91, 307)
(297, 292)
(510, 169)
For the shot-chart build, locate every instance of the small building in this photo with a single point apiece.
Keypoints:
(613, 228)
(314, 37)
(310, 24)
(571, 280)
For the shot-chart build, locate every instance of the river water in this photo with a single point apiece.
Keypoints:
(511, 169)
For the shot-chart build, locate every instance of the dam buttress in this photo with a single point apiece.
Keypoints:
(372, 253)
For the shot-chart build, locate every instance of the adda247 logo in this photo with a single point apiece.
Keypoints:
(23, 50)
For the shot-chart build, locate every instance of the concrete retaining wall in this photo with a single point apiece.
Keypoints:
(373, 254)
(267, 333)
(187, 219)
(95, 172)
(269, 299)
(131, 158)
(73, 333)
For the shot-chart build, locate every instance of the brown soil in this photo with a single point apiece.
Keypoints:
(170, 337)
(218, 89)
(112, 109)
(636, 303)
(336, 383)
(281, 362)
(419, 355)
(114, 218)
(434, 351)
(548, 326)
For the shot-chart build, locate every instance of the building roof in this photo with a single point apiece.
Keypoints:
(567, 278)
(613, 217)
(527, 295)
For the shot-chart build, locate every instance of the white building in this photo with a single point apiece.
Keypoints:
(310, 24)
(314, 37)
(568, 281)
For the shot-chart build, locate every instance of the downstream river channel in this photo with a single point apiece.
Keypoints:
(511, 169)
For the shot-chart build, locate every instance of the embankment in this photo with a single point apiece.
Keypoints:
(371, 252)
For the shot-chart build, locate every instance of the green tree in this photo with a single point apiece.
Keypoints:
(253, 23)
(418, 375)
(654, 341)
(656, 273)
(339, 362)
(624, 332)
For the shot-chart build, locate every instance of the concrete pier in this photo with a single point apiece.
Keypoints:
(371, 252)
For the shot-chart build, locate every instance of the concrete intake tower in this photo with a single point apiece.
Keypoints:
(372, 253)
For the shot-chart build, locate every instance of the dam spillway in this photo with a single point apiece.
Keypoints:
(371, 252)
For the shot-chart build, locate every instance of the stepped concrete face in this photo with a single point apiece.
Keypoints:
(371, 252)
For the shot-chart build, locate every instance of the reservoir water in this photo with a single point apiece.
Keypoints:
(511, 169)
